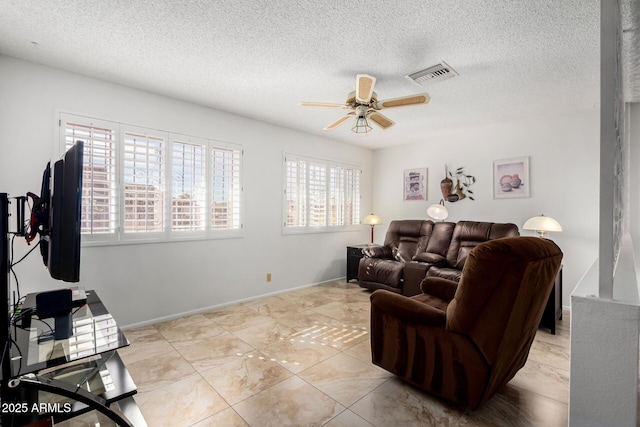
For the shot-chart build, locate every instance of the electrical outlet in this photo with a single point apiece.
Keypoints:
(268, 277)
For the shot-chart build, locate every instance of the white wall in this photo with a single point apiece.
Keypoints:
(604, 331)
(143, 282)
(564, 163)
(603, 386)
(634, 177)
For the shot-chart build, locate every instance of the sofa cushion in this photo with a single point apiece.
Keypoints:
(386, 271)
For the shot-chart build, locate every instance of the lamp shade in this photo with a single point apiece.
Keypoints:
(542, 224)
(438, 211)
(361, 126)
(372, 220)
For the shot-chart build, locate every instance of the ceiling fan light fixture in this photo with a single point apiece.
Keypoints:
(365, 106)
(361, 126)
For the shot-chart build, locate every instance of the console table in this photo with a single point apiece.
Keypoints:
(60, 379)
(553, 309)
(354, 253)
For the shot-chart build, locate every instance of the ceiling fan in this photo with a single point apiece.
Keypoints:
(366, 107)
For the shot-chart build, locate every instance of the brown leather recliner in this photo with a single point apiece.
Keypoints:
(382, 266)
(414, 249)
(464, 341)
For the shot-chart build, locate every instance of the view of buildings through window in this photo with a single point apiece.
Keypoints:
(147, 182)
(320, 194)
(151, 184)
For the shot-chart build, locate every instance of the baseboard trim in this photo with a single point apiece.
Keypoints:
(225, 304)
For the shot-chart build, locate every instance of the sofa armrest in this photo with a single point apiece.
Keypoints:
(384, 252)
(431, 258)
(439, 287)
(406, 309)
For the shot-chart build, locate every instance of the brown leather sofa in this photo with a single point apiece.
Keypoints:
(414, 249)
(463, 341)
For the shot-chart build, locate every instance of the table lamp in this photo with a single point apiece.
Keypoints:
(542, 224)
(372, 220)
(438, 211)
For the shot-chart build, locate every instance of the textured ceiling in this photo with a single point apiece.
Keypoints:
(261, 58)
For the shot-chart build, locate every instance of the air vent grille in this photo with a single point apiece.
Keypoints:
(441, 71)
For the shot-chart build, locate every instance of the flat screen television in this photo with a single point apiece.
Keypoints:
(62, 256)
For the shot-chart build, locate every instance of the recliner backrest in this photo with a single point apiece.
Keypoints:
(408, 236)
(499, 231)
(440, 238)
(500, 299)
(469, 234)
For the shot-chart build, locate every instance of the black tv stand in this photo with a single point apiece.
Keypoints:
(37, 371)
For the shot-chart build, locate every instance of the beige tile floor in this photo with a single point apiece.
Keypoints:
(302, 359)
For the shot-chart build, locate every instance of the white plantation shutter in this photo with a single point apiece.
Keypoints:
(336, 196)
(144, 182)
(352, 197)
(295, 192)
(317, 179)
(188, 187)
(147, 185)
(226, 188)
(99, 192)
(320, 195)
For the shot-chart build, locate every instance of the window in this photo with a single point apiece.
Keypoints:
(320, 195)
(225, 192)
(152, 185)
(99, 195)
(144, 182)
(188, 190)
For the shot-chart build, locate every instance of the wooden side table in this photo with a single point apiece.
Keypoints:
(553, 309)
(354, 253)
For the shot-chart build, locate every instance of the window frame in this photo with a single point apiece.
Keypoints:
(118, 235)
(307, 228)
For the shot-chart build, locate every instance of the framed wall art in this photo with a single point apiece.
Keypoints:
(511, 178)
(415, 184)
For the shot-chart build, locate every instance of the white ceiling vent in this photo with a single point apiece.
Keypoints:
(441, 71)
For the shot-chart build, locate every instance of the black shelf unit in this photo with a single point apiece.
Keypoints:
(553, 309)
(35, 363)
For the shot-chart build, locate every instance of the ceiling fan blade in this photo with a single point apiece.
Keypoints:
(340, 121)
(323, 105)
(364, 88)
(380, 119)
(421, 98)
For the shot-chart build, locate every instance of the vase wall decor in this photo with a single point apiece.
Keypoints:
(446, 185)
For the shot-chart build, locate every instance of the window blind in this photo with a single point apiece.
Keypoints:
(144, 183)
(225, 200)
(188, 187)
(99, 193)
(148, 185)
(320, 195)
